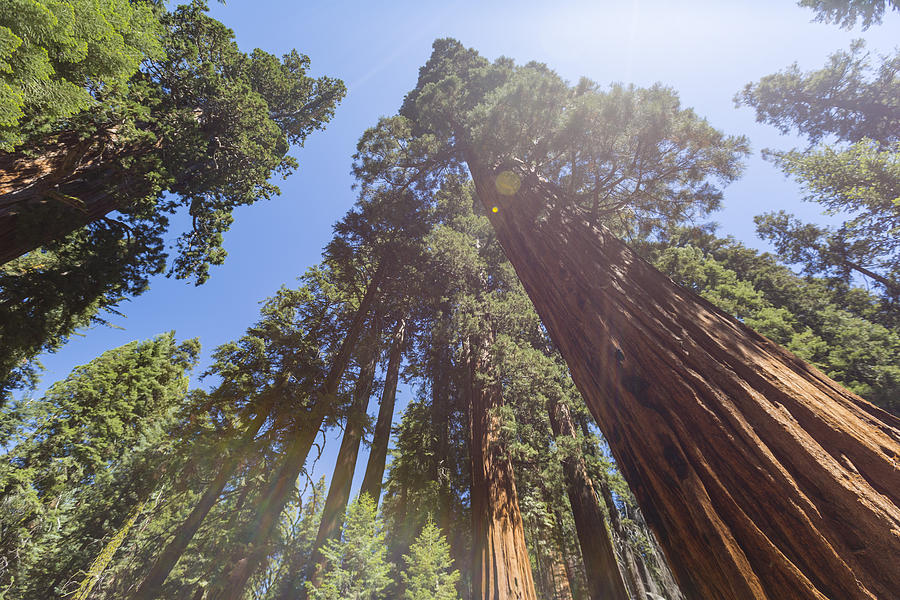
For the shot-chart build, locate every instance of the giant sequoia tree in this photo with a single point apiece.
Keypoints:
(201, 128)
(728, 441)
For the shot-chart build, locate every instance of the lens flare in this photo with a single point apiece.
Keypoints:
(508, 183)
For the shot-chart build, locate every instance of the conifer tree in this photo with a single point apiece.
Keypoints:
(94, 451)
(545, 200)
(357, 566)
(427, 575)
(851, 102)
(94, 178)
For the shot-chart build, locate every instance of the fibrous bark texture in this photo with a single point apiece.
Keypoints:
(604, 579)
(64, 187)
(761, 477)
(502, 567)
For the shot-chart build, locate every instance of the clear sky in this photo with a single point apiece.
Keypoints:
(706, 50)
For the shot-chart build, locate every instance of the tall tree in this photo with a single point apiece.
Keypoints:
(371, 484)
(345, 464)
(358, 569)
(715, 475)
(714, 462)
(94, 451)
(604, 578)
(298, 441)
(267, 372)
(200, 128)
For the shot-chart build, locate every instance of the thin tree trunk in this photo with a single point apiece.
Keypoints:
(342, 477)
(153, 581)
(634, 574)
(604, 579)
(560, 575)
(761, 477)
(502, 570)
(250, 554)
(372, 480)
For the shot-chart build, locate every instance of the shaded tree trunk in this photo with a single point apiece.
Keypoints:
(372, 480)
(502, 570)
(342, 477)
(604, 579)
(761, 477)
(152, 583)
(63, 188)
(250, 554)
(441, 408)
(560, 575)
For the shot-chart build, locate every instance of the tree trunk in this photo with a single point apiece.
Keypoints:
(631, 563)
(761, 477)
(560, 576)
(251, 553)
(371, 483)
(152, 583)
(604, 579)
(47, 196)
(502, 570)
(441, 408)
(342, 477)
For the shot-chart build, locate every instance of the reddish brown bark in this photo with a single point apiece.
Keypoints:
(559, 576)
(502, 570)
(66, 185)
(372, 480)
(249, 555)
(761, 477)
(604, 579)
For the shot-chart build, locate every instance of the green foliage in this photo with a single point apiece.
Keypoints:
(201, 129)
(56, 56)
(357, 565)
(862, 183)
(92, 449)
(632, 156)
(847, 12)
(843, 331)
(427, 575)
(858, 177)
(851, 98)
(293, 548)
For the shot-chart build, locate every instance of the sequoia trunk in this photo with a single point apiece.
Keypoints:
(761, 477)
(251, 553)
(371, 483)
(342, 476)
(64, 186)
(604, 579)
(502, 570)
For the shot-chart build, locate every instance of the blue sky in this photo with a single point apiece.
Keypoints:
(706, 50)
